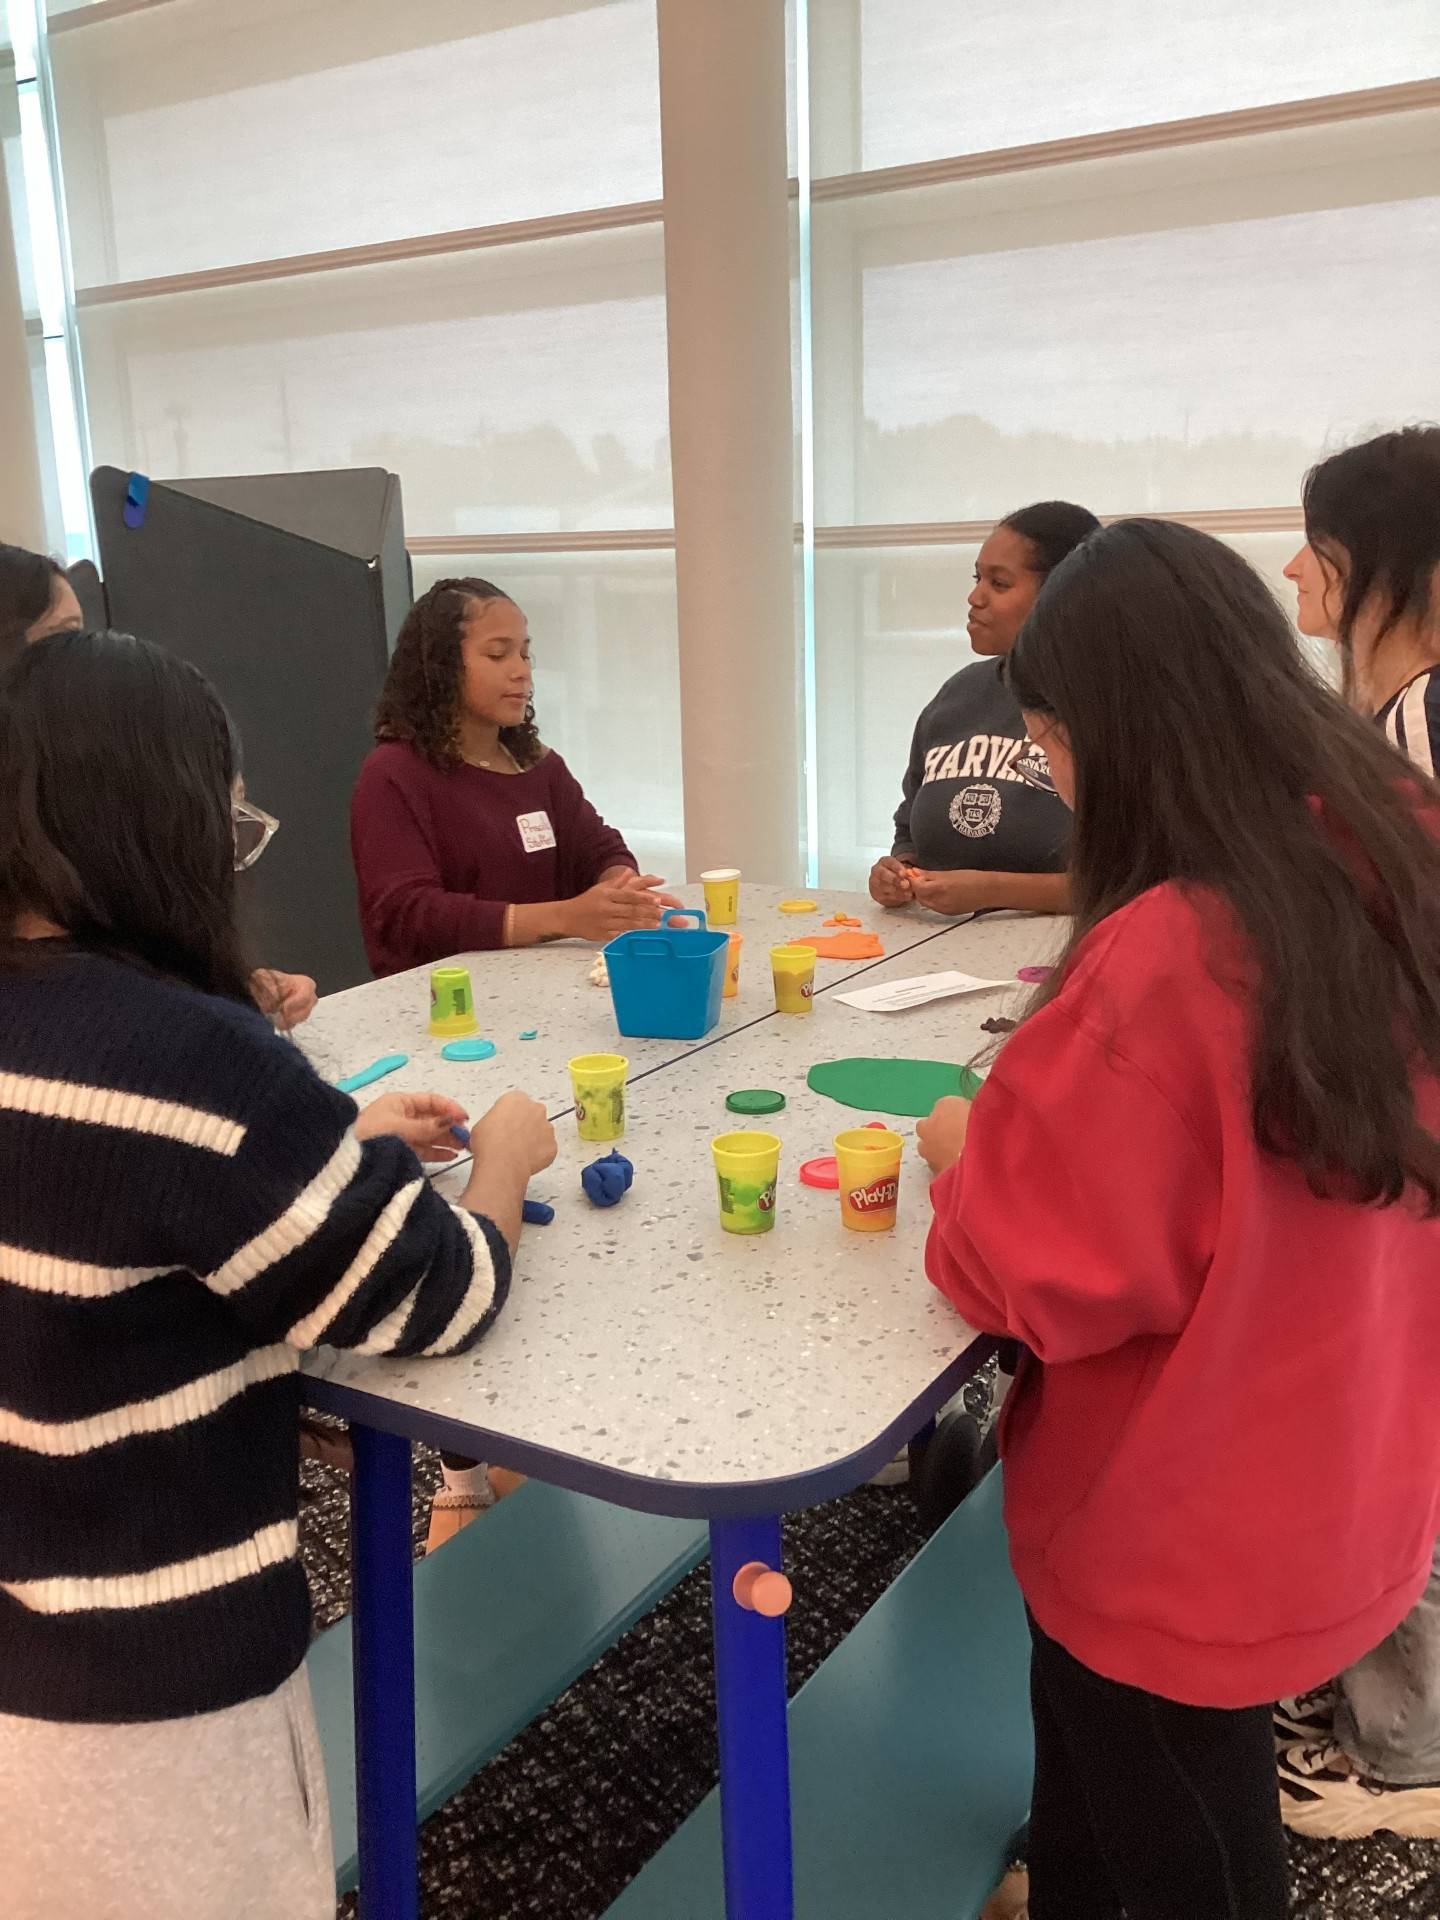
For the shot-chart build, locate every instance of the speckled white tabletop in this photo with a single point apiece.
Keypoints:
(650, 1357)
(548, 989)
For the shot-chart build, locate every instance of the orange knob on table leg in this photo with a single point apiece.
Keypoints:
(759, 1589)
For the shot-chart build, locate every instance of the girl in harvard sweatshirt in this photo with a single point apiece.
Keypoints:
(1201, 1185)
(184, 1208)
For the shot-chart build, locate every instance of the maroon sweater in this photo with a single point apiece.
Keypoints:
(439, 856)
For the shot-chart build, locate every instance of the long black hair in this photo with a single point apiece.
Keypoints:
(116, 769)
(1207, 753)
(27, 586)
(420, 702)
(1372, 514)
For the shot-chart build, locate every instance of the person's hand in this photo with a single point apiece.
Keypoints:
(422, 1120)
(951, 893)
(645, 883)
(890, 883)
(617, 904)
(515, 1126)
(286, 998)
(942, 1136)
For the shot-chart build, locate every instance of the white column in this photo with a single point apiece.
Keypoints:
(22, 504)
(727, 288)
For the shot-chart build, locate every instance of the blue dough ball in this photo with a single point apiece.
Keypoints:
(537, 1213)
(606, 1181)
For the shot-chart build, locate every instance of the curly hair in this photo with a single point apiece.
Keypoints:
(420, 703)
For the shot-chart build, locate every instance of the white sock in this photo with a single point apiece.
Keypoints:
(473, 1482)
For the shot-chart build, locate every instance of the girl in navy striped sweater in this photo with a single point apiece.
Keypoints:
(184, 1208)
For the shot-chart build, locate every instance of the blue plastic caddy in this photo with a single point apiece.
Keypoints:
(668, 985)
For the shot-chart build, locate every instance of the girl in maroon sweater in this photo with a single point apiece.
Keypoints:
(1202, 1186)
(466, 831)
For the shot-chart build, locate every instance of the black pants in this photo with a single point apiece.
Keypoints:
(1146, 1809)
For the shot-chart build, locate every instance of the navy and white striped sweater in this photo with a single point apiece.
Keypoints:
(1411, 720)
(184, 1206)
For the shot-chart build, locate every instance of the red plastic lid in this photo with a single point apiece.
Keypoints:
(821, 1173)
(825, 1172)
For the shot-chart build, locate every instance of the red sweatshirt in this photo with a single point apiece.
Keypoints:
(439, 856)
(1222, 1455)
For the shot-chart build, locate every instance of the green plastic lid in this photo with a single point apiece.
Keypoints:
(755, 1100)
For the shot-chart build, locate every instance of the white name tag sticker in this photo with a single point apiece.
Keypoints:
(536, 832)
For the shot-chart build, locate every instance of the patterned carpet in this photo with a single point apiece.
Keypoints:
(556, 1826)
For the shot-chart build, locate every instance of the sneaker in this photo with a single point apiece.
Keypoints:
(1305, 1716)
(1325, 1795)
(894, 1473)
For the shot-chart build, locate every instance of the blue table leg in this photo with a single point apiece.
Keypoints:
(384, 1657)
(754, 1742)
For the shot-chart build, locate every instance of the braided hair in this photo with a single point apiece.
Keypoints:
(420, 703)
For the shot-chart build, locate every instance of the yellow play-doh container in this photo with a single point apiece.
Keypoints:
(794, 971)
(452, 1003)
(747, 1168)
(868, 1162)
(732, 966)
(722, 895)
(598, 1081)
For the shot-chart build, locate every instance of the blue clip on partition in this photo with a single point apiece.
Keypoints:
(137, 499)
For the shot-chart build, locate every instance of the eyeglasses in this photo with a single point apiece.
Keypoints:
(254, 829)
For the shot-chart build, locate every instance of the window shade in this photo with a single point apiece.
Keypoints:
(897, 81)
(204, 133)
(514, 388)
(1168, 331)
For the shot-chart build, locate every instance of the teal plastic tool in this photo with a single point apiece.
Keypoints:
(377, 1070)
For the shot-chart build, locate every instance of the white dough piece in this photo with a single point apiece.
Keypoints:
(599, 973)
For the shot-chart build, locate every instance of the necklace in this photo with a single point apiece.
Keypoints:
(490, 766)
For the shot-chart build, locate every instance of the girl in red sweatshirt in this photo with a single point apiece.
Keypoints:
(1202, 1186)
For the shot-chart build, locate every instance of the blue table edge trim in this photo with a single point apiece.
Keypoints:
(678, 1499)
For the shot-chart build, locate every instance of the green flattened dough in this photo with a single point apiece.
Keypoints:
(909, 1087)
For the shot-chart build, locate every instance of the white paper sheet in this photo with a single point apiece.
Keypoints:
(894, 996)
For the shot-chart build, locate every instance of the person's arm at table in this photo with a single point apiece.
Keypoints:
(607, 894)
(404, 901)
(286, 999)
(1079, 1213)
(618, 902)
(972, 890)
(321, 1228)
(890, 876)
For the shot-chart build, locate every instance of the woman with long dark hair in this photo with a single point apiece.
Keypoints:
(1201, 1185)
(971, 832)
(37, 600)
(185, 1207)
(1362, 1755)
(467, 831)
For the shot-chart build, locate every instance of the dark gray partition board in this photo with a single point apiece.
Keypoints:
(85, 583)
(287, 591)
